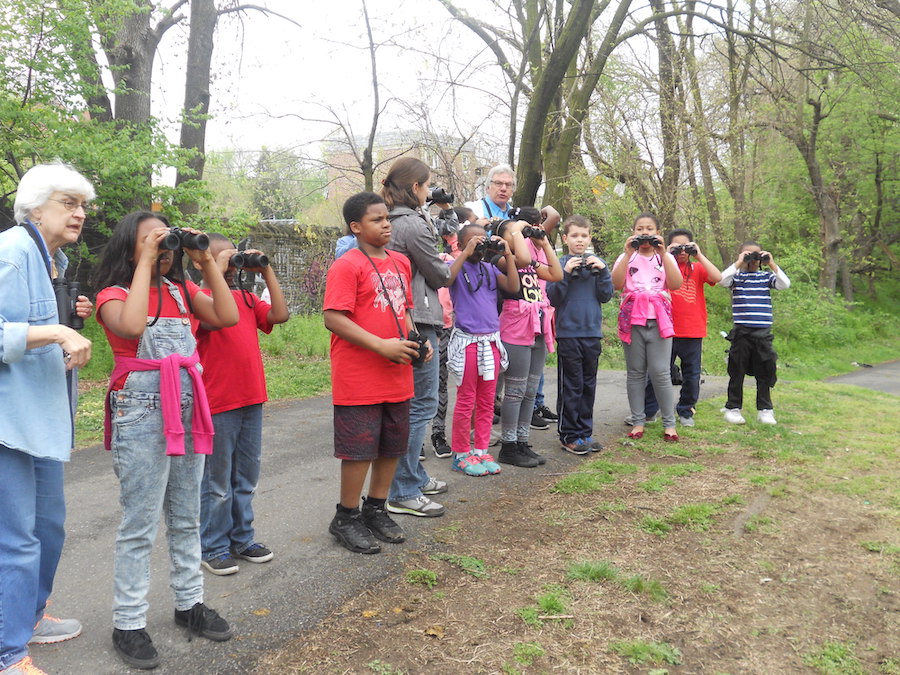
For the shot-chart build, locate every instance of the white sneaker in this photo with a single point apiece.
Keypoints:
(50, 630)
(733, 415)
(686, 421)
(766, 417)
(418, 506)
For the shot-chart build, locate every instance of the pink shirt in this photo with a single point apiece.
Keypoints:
(530, 313)
(644, 296)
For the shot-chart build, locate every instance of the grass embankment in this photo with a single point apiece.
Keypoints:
(748, 549)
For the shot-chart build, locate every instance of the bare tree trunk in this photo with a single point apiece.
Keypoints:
(196, 91)
(668, 117)
(551, 77)
(367, 165)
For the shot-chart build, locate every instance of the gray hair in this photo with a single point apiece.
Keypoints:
(42, 180)
(501, 168)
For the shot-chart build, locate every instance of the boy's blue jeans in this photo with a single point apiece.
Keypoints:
(153, 483)
(230, 478)
(31, 541)
(411, 475)
(690, 352)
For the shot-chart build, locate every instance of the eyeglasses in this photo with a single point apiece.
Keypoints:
(500, 184)
(72, 205)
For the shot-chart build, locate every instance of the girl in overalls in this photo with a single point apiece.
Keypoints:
(158, 424)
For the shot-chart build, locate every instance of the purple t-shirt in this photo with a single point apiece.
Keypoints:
(474, 295)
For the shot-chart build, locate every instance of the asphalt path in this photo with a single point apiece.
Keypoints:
(883, 377)
(311, 575)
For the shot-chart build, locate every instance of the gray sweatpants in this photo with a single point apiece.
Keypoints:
(649, 355)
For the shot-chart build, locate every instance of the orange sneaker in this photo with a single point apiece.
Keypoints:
(23, 667)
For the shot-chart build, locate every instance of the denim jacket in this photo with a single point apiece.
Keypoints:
(35, 417)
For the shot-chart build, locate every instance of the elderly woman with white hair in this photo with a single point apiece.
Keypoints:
(36, 432)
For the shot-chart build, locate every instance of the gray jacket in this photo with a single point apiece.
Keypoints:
(413, 235)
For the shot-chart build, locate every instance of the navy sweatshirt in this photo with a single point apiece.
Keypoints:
(578, 302)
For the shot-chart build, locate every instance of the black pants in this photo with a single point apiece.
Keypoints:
(576, 360)
(689, 351)
(751, 353)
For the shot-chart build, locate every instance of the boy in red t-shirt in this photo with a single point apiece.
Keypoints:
(689, 316)
(236, 387)
(367, 295)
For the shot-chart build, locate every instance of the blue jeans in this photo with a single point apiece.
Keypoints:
(152, 484)
(689, 351)
(230, 477)
(31, 541)
(411, 475)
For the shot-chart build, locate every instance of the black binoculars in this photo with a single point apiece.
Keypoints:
(683, 248)
(67, 293)
(178, 238)
(756, 255)
(642, 239)
(250, 260)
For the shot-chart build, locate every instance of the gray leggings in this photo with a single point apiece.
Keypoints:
(649, 355)
(521, 379)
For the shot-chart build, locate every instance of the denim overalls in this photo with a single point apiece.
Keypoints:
(153, 482)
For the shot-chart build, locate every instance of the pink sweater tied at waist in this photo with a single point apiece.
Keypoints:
(170, 400)
(634, 311)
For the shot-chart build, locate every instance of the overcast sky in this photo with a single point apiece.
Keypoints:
(268, 66)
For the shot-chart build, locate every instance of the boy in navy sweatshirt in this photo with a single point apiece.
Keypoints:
(585, 286)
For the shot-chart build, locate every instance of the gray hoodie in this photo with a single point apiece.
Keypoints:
(413, 234)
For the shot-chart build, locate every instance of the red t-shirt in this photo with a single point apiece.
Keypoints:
(689, 302)
(359, 376)
(121, 346)
(233, 371)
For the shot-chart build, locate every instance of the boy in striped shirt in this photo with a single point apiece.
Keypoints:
(751, 351)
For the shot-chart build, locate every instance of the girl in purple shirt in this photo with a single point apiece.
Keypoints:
(475, 354)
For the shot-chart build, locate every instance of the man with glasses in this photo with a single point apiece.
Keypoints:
(501, 181)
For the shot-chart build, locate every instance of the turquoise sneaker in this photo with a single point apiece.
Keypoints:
(487, 461)
(468, 464)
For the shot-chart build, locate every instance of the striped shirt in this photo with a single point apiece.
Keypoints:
(751, 301)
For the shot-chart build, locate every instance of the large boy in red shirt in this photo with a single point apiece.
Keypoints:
(236, 387)
(367, 295)
(689, 316)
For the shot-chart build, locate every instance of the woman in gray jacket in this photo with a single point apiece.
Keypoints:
(414, 235)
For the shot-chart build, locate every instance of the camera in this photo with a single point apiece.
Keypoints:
(67, 293)
(439, 195)
(690, 249)
(178, 238)
(757, 256)
(642, 239)
(241, 260)
(584, 270)
(422, 348)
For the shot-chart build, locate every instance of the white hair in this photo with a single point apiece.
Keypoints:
(42, 180)
(501, 168)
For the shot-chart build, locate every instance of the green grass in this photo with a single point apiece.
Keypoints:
(470, 565)
(425, 577)
(526, 652)
(641, 651)
(592, 571)
(663, 476)
(696, 517)
(834, 658)
(593, 477)
(597, 571)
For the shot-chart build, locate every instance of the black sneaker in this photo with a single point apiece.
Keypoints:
(221, 565)
(538, 422)
(525, 449)
(205, 622)
(380, 524)
(255, 553)
(511, 453)
(547, 414)
(136, 648)
(441, 449)
(351, 531)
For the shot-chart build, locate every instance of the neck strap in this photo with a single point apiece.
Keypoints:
(387, 296)
(32, 230)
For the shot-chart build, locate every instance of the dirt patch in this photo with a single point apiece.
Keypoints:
(741, 582)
